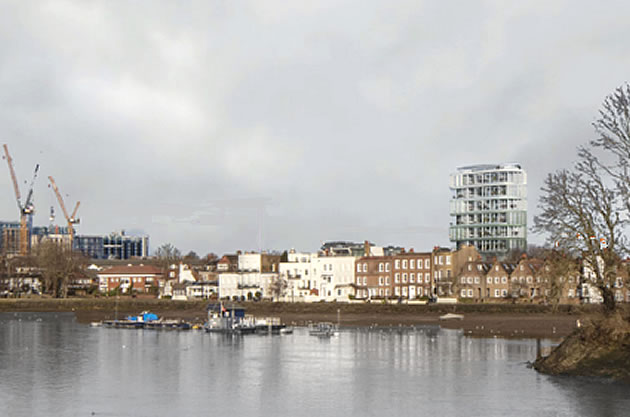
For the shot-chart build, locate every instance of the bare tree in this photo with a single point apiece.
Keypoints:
(585, 210)
(278, 287)
(58, 264)
(558, 271)
(167, 255)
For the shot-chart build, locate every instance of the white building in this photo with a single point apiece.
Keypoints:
(489, 208)
(299, 274)
(246, 285)
(313, 277)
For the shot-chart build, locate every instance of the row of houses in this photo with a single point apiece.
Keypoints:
(350, 274)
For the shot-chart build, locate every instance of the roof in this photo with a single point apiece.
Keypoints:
(131, 269)
(228, 259)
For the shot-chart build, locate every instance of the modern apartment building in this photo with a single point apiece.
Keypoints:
(489, 208)
(112, 246)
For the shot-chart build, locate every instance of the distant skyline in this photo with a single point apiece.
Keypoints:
(218, 126)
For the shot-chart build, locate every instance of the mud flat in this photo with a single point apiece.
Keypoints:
(481, 320)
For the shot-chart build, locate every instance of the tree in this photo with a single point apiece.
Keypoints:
(278, 287)
(557, 271)
(584, 210)
(210, 257)
(191, 257)
(58, 263)
(167, 255)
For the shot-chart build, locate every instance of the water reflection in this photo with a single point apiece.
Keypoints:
(50, 365)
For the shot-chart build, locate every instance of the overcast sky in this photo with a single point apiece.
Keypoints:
(225, 125)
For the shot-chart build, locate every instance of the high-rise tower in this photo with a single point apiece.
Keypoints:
(489, 208)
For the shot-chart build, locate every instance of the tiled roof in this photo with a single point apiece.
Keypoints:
(133, 269)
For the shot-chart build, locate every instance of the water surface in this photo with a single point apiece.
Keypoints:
(50, 365)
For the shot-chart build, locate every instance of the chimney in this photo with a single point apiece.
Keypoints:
(410, 250)
(402, 250)
(366, 248)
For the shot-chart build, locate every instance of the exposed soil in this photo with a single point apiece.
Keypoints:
(600, 347)
(479, 320)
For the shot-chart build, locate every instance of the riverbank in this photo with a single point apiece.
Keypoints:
(481, 320)
(600, 347)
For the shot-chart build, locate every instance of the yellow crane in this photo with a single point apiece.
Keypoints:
(27, 209)
(71, 219)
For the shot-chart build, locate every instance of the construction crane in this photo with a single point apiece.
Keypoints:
(27, 209)
(71, 219)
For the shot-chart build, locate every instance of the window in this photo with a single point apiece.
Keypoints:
(427, 277)
(448, 259)
(404, 291)
(570, 293)
(441, 258)
(489, 280)
(358, 280)
(463, 280)
(497, 293)
(380, 292)
(397, 277)
(412, 264)
(470, 293)
(386, 292)
(397, 290)
(470, 267)
(496, 280)
(504, 293)
(476, 280)
(463, 292)
(364, 280)
(364, 267)
(412, 277)
(387, 280)
(504, 280)
(426, 264)
(381, 267)
(496, 268)
(397, 264)
(529, 280)
(404, 264)
(380, 280)
(404, 277)
(470, 280)
(387, 267)
(358, 267)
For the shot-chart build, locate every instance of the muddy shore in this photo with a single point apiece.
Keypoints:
(481, 320)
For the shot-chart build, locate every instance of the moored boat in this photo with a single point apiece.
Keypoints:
(323, 329)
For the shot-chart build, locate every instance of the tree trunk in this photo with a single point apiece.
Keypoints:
(609, 299)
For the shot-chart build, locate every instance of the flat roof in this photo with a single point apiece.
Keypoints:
(487, 167)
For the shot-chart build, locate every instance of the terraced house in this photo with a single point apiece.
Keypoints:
(412, 275)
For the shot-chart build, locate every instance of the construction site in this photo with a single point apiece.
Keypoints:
(20, 238)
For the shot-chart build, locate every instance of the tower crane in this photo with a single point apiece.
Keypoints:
(27, 209)
(71, 219)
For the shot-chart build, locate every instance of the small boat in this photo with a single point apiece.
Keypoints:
(96, 324)
(323, 329)
(451, 316)
(230, 320)
(269, 325)
(286, 330)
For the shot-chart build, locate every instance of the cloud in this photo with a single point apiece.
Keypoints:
(347, 117)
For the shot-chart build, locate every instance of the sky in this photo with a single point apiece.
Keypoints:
(225, 125)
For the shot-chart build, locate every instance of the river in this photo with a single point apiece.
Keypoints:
(50, 365)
